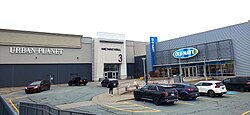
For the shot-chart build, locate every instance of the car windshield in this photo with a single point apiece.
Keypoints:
(191, 85)
(36, 83)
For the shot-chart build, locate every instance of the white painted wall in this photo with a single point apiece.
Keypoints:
(107, 56)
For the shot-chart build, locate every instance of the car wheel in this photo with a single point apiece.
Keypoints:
(48, 88)
(211, 93)
(194, 98)
(156, 100)
(85, 84)
(184, 97)
(70, 84)
(137, 98)
(242, 89)
(171, 102)
(220, 95)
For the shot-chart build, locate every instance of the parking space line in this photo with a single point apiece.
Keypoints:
(13, 105)
(131, 107)
(245, 113)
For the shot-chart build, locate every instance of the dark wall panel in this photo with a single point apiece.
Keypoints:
(23, 74)
(139, 66)
(130, 69)
(67, 72)
(5, 75)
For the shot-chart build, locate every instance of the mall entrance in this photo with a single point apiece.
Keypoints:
(111, 71)
(190, 71)
(208, 69)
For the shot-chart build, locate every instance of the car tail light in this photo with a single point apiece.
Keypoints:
(80, 80)
(190, 89)
(165, 94)
(248, 82)
(217, 86)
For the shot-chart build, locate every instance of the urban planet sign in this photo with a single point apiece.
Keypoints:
(185, 53)
(29, 50)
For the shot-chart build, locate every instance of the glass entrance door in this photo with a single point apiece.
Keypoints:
(111, 71)
(189, 71)
(111, 74)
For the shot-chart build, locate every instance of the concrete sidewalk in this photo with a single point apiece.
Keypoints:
(105, 98)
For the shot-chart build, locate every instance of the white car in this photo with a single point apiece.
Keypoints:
(211, 88)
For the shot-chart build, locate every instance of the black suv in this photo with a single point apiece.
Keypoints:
(237, 83)
(78, 81)
(186, 91)
(158, 93)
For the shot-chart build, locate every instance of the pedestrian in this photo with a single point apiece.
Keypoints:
(146, 80)
(51, 79)
(111, 86)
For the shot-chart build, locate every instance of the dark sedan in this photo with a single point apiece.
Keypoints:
(38, 86)
(186, 91)
(158, 93)
(106, 82)
(78, 81)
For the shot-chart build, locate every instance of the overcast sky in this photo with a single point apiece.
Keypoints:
(137, 19)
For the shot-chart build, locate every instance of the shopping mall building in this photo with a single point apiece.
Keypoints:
(26, 56)
(221, 53)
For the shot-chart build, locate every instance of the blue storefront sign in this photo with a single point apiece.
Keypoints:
(185, 53)
(153, 41)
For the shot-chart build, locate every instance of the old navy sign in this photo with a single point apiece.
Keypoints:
(185, 53)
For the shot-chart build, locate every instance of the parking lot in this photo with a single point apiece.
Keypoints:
(79, 98)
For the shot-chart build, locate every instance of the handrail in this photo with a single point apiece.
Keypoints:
(7, 107)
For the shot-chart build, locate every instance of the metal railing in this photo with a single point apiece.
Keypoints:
(5, 108)
(41, 109)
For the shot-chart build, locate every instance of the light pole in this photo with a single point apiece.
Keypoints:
(205, 71)
(144, 69)
(180, 69)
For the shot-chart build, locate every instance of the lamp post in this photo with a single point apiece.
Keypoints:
(205, 71)
(180, 76)
(144, 69)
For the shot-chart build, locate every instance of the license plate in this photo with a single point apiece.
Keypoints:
(172, 94)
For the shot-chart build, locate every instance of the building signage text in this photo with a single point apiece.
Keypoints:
(111, 49)
(185, 53)
(30, 50)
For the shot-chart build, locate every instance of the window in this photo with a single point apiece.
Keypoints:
(233, 80)
(178, 86)
(207, 84)
(145, 87)
(152, 88)
(226, 81)
(199, 84)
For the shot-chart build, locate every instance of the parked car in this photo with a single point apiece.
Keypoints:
(106, 81)
(78, 81)
(211, 88)
(237, 83)
(186, 91)
(37, 86)
(158, 93)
